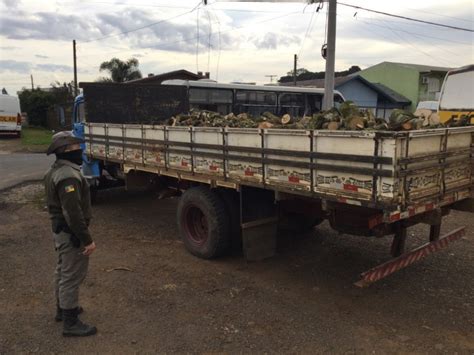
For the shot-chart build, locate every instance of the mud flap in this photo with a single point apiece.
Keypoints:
(259, 223)
(259, 238)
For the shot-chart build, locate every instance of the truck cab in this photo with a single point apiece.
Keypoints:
(90, 167)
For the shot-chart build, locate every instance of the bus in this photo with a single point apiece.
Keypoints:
(253, 99)
(457, 95)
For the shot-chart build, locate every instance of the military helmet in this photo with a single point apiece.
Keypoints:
(61, 140)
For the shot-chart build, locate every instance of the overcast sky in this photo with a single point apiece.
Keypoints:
(235, 41)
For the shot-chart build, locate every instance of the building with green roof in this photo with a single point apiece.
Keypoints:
(413, 81)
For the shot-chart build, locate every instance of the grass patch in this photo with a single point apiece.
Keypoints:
(36, 138)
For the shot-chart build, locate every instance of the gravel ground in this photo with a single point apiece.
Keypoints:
(146, 294)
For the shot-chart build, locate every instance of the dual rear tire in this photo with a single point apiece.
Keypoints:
(209, 221)
(204, 223)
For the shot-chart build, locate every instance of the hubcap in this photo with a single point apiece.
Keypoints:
(195, 225)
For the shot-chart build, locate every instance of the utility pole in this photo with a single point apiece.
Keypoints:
(32, 85)
(75, 66)
(295, 62)
(328, 100)
(271, 76)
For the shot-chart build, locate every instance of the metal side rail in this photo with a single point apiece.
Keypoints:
(383, 270)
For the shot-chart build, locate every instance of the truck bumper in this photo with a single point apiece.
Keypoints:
(381, 271)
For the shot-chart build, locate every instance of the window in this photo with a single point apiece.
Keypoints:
(291, 100)
(255, 102)
(433, 85)
(255, 98)
(218, 100)
(81, 115)
(210, 96)
(293, 104)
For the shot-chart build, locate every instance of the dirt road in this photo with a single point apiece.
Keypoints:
(301, 301)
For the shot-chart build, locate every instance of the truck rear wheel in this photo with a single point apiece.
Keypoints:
(203, 223)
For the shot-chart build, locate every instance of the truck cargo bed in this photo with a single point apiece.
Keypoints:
(400, 173)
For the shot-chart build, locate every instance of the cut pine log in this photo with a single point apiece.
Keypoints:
(408, 125)
(265, 124)
(172, 122)
(286, 119)
(270, 117)
(334, 126)
(355, 123)
(434, 119)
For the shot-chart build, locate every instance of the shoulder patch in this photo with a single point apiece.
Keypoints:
(69, 188)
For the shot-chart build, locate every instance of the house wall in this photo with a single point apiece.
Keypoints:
(405, 81)
(362, 95)
(429, 91)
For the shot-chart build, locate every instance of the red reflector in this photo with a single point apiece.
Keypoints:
(294, 179)
(395, 217)
(350, 187)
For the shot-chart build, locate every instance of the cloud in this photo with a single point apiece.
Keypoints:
(177, 37)
(15, 66)
(272, 40)
(53, 67)
(11, 4)
(41, 56)
(26, 67)
(156, 33)
(47, 26)
(8, 48)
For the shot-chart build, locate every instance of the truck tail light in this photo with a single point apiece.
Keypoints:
(18, 119)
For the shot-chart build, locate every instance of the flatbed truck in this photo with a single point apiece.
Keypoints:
(238, 185)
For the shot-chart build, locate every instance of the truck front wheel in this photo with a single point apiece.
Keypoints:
(203, 223)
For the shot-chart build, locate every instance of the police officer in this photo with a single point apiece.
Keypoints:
(69, 207)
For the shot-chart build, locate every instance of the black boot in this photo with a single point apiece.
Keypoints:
(59, 313)
(73, 327)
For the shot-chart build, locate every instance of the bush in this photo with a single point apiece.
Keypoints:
(36, 103)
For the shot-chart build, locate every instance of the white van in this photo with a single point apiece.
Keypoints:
(10, 115)
(457, 95)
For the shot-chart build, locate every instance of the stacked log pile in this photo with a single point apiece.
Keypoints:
(347, 117)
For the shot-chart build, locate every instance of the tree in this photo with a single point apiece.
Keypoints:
(303, 74)
(36, 103)
(298, 72)
(121, 71)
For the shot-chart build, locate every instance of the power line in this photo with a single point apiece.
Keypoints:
(172, 7)
(310, 27)
(218, 42)
(413, 33)
(197, 40)
(407, 18)
(422, 35)
(209, 40)
(233, 28)
(400, 41)
(142, 27)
